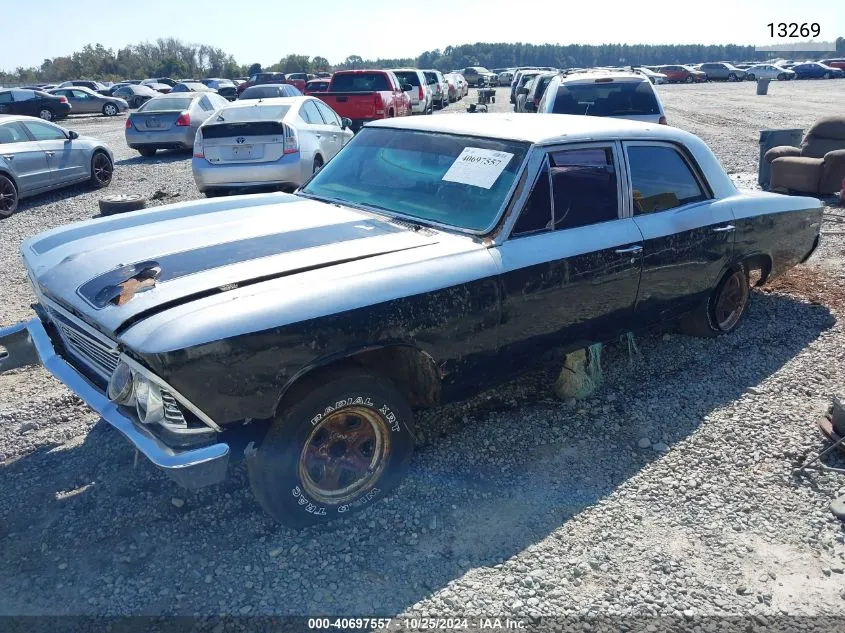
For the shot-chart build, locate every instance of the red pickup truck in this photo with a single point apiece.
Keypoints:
(366, 95)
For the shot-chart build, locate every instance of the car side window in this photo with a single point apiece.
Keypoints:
(12, 133)
(329, 115)
(5, 97)
(44, 131)
(584, 187)
(78, 94)
(661, 179)
(22, 95)
(205, 104)
(536, 215)
(311, 114)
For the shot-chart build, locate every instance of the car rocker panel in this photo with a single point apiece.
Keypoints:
(201, 332)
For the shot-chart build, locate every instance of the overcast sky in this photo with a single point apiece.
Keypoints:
(265, 31)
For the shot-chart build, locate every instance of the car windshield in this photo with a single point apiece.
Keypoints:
(162, 105)
(460, 181)
(612, 98)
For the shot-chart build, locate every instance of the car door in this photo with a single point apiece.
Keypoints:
(81, 101)
(338, 136)
(571, 265)
(320, 138)
(6, 102)
(24, 102)
(688, 235)
(67, 162)
(24, 158)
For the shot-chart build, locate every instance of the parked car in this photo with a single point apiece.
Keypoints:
(167, 81)
(170, 121)
(521, 89)
(505, 78)
(815, 70)
(96, 86)
(323, 75)
(678, 73)
(517, 78)
(416, 88)
(451, 87)
(299, 79)
(191, 86)
(474, 74)
(34, 103)
(86, 101)
(262, 78)
(653, 77)
(278, 142)
(308, 328)
(536, 89)
(768, 71)
(160, 88)
(619, 95)
(834, 63)
(316, 85)
(135, 95)
(366, 95)
(38, 156)
(437, 85)
(722, 71)
(460, 85)
(268, 91)
(224, 87)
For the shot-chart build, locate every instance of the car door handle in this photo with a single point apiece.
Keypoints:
(629, 250)
(9, 156)
(724, 229)
(50, 153)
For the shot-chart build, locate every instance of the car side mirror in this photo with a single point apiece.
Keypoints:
(72, 135)
(523, 91)
(346, 123)
(407, 87)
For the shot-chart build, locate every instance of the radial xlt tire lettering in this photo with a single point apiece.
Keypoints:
(343, 443)
(724, 308)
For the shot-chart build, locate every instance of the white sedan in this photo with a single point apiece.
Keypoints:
(768, 71)
(276, 143)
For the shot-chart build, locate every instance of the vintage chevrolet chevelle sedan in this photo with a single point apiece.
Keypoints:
(432, 258)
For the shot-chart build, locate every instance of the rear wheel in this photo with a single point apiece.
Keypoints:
(46, 114)
(732, 77)
(723, 310)
(751, 77)
(109, 109)
(343, 443)
(782, 76)
(147, 151)
(102, 170)
(8, 197)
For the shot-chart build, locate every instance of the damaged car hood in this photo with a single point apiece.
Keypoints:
(114, 271)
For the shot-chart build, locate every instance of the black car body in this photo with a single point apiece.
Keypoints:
(34, 103)
(432, 258)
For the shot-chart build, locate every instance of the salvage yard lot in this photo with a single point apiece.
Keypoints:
(667, 492)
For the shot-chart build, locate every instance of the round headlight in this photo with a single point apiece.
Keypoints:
(120, 385)
(148, 401)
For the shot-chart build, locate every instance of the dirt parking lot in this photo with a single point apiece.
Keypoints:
(669, 492)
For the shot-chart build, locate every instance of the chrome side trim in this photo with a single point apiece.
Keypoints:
(28, 343)
(179, 397)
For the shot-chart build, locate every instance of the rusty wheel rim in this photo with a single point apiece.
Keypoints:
(731, 301)
(344, 455)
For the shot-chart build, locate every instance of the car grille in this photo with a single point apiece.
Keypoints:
(86, 348)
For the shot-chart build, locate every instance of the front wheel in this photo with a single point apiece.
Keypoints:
(689, 79)
(109, 109)
(102, 170)
(8, 197)
(782, 77)
(751, 77)
(724, 309)
(343, 443)
(827, 75)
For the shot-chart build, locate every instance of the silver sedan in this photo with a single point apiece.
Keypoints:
(170, 121)
(86, 101)
(278, 142)
(37, 156)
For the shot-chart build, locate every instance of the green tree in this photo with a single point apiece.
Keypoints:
(353, 62)
(254, 68)
(320, 64)
(296, 64)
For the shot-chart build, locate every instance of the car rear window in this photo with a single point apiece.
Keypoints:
(616, 98)
(263, 112)
(246, 128)
(317, 86)
(263, 92)
(408, 77)
(163, 105)
(359, 82)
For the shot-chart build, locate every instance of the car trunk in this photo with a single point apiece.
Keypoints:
(354, 105)
(250, 142)
(158, 121)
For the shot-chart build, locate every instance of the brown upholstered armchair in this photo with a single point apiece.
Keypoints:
(818, 166)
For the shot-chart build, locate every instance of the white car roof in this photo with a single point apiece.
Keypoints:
(592, 75)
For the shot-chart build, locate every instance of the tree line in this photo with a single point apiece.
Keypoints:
(170, 57)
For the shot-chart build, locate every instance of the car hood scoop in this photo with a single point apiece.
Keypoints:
(112, 273)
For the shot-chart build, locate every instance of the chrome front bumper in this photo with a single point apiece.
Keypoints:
(28, 343)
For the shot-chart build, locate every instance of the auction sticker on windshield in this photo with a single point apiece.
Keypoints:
(478, 167)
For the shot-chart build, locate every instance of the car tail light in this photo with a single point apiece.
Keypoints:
(420, 93)
(198, 148)
(379, 105)
(62, 99)
(128, 123)
(662, 120)
(291, 142)
(184, 119)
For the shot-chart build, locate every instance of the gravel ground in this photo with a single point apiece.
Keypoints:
(668, 493)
